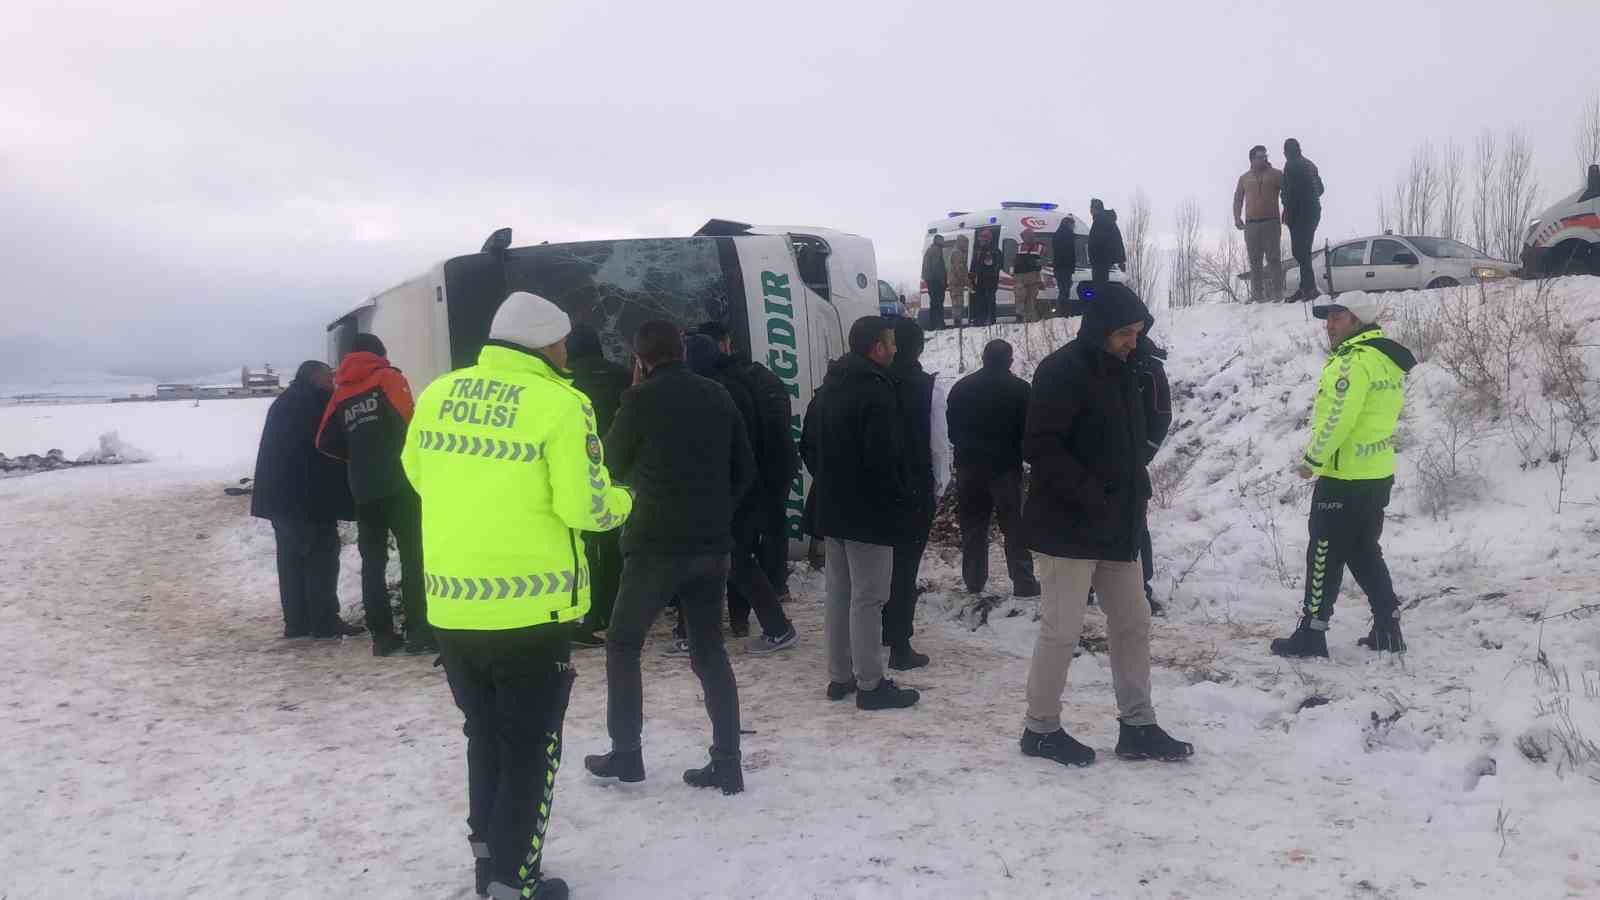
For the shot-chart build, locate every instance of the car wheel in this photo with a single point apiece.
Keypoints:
(1442, 282)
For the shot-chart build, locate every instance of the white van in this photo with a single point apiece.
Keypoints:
(1005, 226)
(788, 296)
(1565, 239)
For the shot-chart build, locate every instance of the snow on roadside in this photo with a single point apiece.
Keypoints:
(206, 436)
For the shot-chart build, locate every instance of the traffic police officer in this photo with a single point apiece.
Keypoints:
(508, 463)
(1352, 457)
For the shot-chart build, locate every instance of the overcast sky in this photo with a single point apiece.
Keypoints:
(193, 186)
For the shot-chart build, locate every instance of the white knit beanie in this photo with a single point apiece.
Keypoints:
(530, 321)
(1362, 305)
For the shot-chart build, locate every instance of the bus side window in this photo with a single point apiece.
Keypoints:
(811, 258)
(1010, 247)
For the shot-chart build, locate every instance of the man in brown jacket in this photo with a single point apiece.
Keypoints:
(1255, 212)
(957, 282)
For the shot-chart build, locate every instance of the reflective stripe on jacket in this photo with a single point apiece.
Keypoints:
(1358, 405)
(509, 466)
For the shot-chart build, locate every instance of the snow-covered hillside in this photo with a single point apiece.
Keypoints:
(161, 743)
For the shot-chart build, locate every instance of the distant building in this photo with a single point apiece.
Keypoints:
(263, 383)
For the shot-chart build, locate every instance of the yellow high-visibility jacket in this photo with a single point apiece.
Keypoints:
(510, 470)
(1358, 405)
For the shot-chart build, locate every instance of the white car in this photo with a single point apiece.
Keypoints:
(1389, 262)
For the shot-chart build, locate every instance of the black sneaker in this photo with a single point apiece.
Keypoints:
(767, 644)
(387, 644)
(1024, 591)
(1058, 746)
(347, 629)
(588, 640)
(1385, 635)
(727, 776)
(887, 695)
(838, 690)
(1305, 642)
(542, 889)
(625, 766)
(1150, 742)
(903, 658)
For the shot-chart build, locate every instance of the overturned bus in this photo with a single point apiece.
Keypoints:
(787, 295)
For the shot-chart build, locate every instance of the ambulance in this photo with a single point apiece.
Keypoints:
(788, 296)
(1005, 226)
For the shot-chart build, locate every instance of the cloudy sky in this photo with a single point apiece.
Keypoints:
(189, 186)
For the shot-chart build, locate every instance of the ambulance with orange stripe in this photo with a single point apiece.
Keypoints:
(1565, 239)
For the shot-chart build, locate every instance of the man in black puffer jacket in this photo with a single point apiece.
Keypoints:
(603, 382)
(1105, 244)
(854, 445)
(304, 494)
(1086, 444)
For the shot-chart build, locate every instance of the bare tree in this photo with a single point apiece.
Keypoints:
(1588, 136)
(1450, 164)
(1516, 193)
(1383, 212)
(1421, 189)
(1183, 287)
(1144, 257)
(1485, 159)
(1219, 267)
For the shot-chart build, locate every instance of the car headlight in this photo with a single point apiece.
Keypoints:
(1488, 272)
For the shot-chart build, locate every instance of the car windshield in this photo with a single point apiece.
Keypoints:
(1444, 248)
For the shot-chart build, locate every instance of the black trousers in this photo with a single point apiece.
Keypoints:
(649, 581)
(980, 493)
(308, 576)
(1346, 524)
(775, 543)
(401, 515)
(982, 306)
(512, 687)
(603, 550)
(1146, 554)
(935, 304)
(750, 590)
(900, 612)
(1302, 231)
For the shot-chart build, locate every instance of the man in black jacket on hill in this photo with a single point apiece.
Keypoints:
(1105, 244)
(855, 447)
(1302, 212)
(988, 411)
(305, 494)
(603, 382)
(1086, 444)
(678, 443)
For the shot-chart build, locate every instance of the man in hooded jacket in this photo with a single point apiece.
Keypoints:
(1085, 442)
(1105, 244)
(365, 425)
(305, 494)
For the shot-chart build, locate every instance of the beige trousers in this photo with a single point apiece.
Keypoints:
(1120, 588)
(1026, 294)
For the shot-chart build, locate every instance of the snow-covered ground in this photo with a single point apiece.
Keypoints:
(160, 743)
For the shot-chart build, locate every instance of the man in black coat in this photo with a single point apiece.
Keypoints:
(922, 406)
(854, 445)
(1302, 212)
(1064, 259)
(603, 382)
(1105, 244)
(987, 262)
(748, 587)
(678, 443)
(772, 439)
(305, 494)
(988, 411)
(1149, 366)
(1085, 442)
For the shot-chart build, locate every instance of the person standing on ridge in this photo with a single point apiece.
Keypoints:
(365, 425)
(1302, 212)
(958, 281)
(933, 275)
(1255, 212)
(508, 491)
(987, 261)
(1105, 244)
(1351, 455)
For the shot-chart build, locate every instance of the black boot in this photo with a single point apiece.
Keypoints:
(623, 765)
(902, 657)
(719, 774)
(1305, 642)
(887, 695)
(1157, 608)
(1058, 746)
(1150, 742)
(387, 644)
(543, 889)
(838, 690)
(1385, 634)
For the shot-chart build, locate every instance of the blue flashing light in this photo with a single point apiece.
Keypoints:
(1020, 204)
(993, 220)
